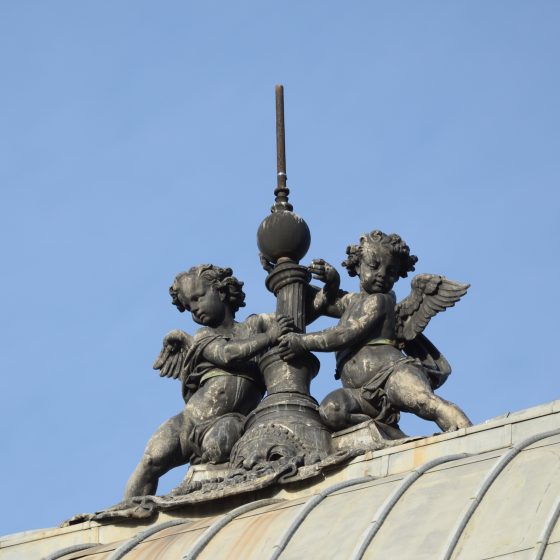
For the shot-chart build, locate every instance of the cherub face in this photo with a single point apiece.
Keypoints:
(203, 300)
(378, 270)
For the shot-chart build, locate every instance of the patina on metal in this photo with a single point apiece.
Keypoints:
(286, 425)
(220, 379)
(240, 442)
(281, 191)
(385, 363)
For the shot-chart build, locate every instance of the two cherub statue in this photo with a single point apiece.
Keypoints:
(385, 363)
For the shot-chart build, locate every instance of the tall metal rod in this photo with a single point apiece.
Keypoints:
(281, 190)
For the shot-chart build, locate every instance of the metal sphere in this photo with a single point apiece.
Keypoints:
(283, 234)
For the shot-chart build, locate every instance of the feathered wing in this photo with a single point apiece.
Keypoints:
(171, 359)
(430, 294)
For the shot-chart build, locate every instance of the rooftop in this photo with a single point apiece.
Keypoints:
(489, 491)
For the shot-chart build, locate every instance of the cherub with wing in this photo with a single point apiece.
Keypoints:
(385, 363)
(218, 370)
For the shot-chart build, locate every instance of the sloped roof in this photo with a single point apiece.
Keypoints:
(490, 491)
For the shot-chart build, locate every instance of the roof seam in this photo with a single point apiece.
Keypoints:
(490, 478)
(69, 550)
(132, 543)
(551, 521)
(388, 505)
(220, 523)
(308, 507)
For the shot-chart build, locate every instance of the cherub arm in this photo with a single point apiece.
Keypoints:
(223, 352)
(352, 331)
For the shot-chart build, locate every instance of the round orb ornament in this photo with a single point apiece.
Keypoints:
(283, 234)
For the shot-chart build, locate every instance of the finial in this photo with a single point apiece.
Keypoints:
(282, 191)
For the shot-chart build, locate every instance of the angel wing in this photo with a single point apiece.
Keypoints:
(171, 359)
(430, 294)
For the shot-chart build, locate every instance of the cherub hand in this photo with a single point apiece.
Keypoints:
(280, 327)
(326, 273)
(265, 263)
(291, 345)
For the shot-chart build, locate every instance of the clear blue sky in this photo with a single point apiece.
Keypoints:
(137, 140)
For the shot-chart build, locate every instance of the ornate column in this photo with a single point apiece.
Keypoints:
(286, 424)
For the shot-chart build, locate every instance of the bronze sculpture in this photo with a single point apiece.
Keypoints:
(379, 380)
(384, 361)
(220, 379)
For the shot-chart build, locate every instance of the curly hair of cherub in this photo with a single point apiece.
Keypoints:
(221, 278)
(393, 242)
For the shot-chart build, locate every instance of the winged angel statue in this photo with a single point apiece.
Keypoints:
(218, 370)
(385, 363)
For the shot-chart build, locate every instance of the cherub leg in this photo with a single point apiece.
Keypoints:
(215, 401)
(165, 451)
(341, 409)
(409, 390)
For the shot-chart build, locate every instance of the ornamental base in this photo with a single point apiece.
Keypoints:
(283, 426)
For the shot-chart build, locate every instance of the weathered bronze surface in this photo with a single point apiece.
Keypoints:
(220, 378)
(384, 361)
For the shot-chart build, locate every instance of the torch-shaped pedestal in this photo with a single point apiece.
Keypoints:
(286, 425)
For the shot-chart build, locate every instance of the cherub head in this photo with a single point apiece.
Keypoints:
(209, 292)
(379, 260)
